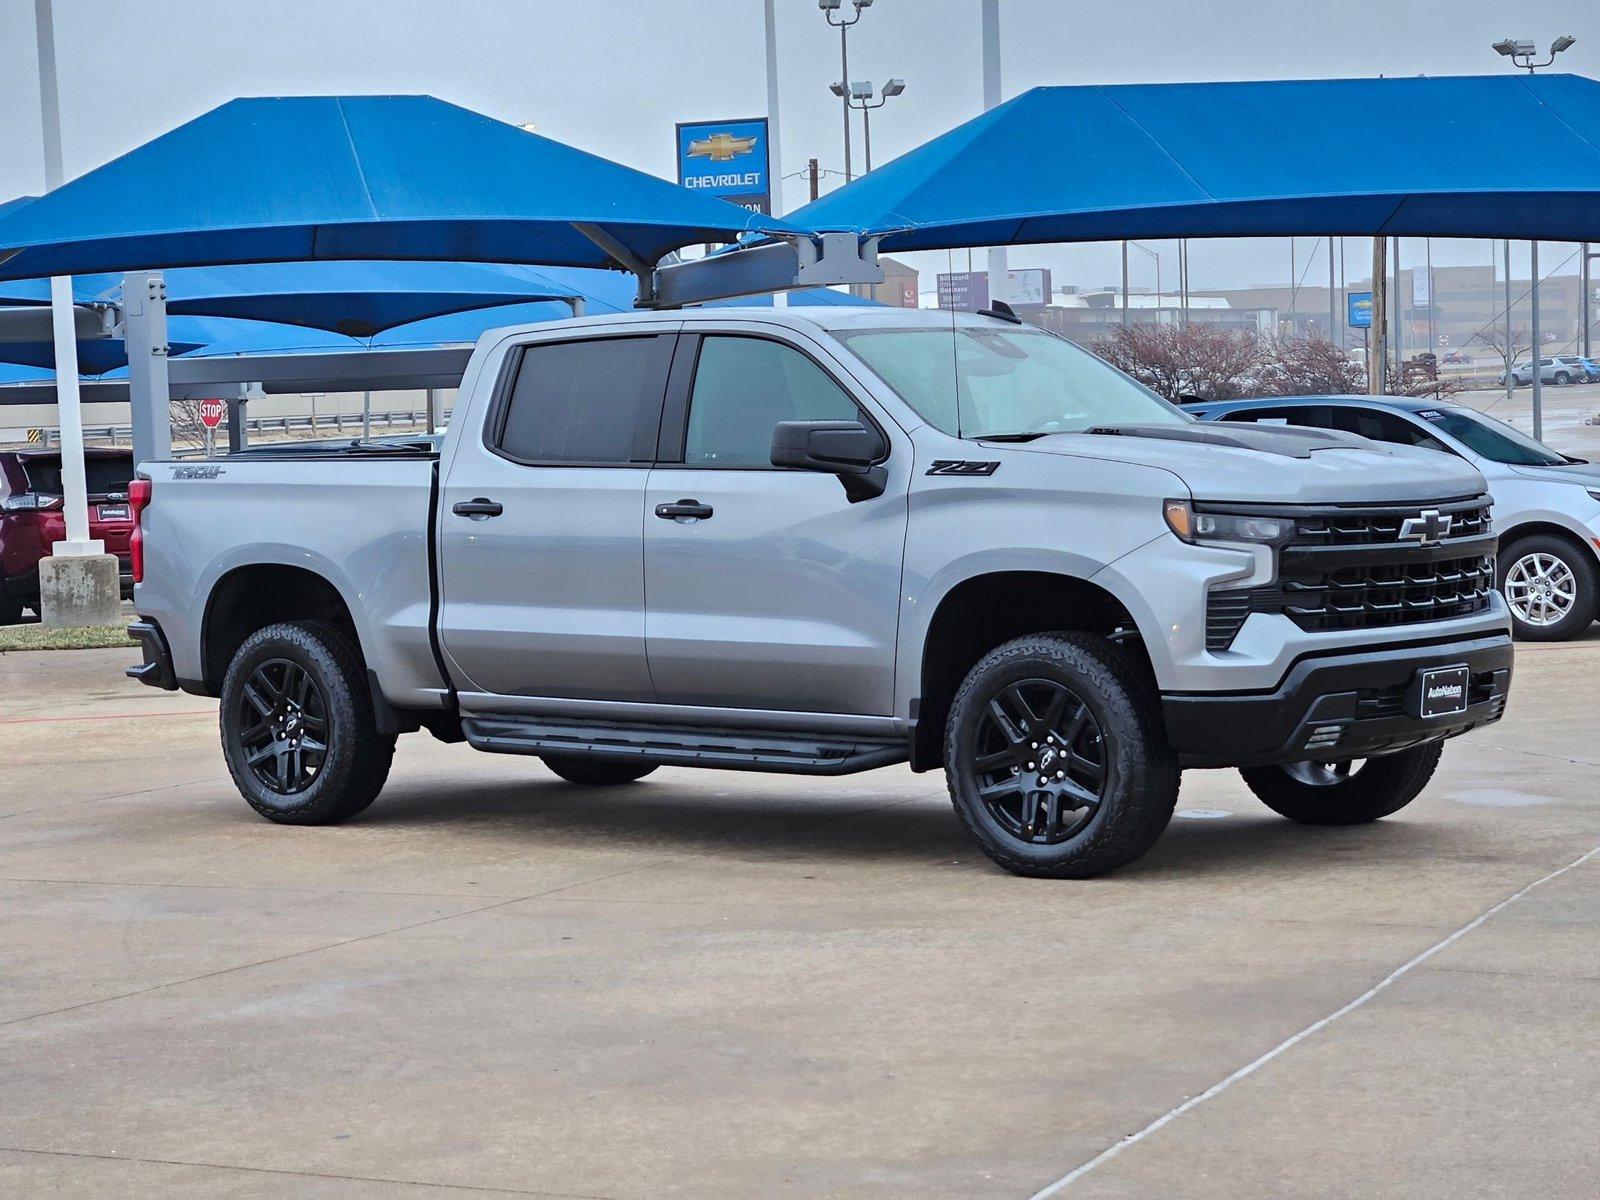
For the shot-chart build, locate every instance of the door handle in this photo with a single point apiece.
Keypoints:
(478, 508)
(692, 509)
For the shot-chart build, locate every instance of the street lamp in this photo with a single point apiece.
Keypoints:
(1521, 51)
(1157, 256)
(829, 10)
(860, 96)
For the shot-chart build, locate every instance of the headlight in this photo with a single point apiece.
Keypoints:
(1205, 528)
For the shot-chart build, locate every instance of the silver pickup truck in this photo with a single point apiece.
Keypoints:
(826, 540)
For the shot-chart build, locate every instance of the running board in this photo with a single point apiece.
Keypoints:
(729, 749)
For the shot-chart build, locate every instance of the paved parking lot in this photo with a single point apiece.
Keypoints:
(731, 985)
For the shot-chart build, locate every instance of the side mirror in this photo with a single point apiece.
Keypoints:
(847, 449)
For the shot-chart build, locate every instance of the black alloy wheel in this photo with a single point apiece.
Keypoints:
(283, 723)
(1040, 762)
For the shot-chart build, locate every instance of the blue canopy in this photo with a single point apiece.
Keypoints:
(355, 298)
(358, 177)
(1348, 156)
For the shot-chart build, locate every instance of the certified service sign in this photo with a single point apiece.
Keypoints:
(727, 159)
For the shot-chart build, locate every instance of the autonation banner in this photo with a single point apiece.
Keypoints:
(727, 159)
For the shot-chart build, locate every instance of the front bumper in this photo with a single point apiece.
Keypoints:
(1338, 706)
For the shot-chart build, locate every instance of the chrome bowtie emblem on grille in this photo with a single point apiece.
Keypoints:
(1429, 527)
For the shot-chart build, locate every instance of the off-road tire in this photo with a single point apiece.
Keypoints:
(358, 757)
(1378, 788)
(1585, 573)
(1141, 776)
(596, 772)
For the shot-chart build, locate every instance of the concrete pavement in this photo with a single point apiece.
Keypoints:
(711, 984)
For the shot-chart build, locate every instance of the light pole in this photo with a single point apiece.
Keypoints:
(830, 10)
(860, 97)
(1153, 254)
(1521, 51)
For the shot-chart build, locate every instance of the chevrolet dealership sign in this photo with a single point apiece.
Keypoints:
(727, 159)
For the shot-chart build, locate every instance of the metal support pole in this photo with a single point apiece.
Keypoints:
(366, 415)
(1183, 281)
(1586, 284)
(1396, 321)
(1333, 305)
(431, 408)
(238, 435)
(866, 134)
(144, 330)
(1433, 332)
(844, 100)
(1511, 350)
(1124, 281)
(63, 325)
(991, 99)
(1378, 336)
(1538, 343)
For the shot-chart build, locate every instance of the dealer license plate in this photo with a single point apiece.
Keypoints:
(1443, 692)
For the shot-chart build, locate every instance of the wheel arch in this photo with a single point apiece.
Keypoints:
(985, 610)
(251, 597)
(1550, 528)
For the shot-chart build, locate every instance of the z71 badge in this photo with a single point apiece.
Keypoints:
(961, 466)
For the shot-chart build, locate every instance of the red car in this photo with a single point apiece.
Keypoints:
(31, 520)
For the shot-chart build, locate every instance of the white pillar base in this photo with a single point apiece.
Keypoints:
(84, 549)
(79, 589)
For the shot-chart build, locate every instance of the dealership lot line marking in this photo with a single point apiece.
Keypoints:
(481, 1189)
(1250, 1068)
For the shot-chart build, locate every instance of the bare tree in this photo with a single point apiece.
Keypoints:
(1508, 348)
(1308, 366)
(187, 428)
(1177, 361)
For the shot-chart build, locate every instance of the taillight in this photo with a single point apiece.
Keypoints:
(139, 492)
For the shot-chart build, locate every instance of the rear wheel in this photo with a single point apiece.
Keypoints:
(1345, 793)
(1056, 757)
(1552, 587)
(297, 726)
(1562, 378)
(596, 772)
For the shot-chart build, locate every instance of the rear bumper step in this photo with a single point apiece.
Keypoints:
(156, 670)
(728, 749)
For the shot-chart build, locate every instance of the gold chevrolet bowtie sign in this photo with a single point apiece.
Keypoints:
(721, 147)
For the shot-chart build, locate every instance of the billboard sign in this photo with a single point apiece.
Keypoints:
(1358, 314)
(1028, 286)
(727, 159)
(964, 291)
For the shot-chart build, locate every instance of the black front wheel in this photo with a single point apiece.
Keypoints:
(1056, 757)
(1345, 793)
(297, 726)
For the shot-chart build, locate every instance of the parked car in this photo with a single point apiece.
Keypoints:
(32, 521)
(1584, 370)
(1457, 358)
(1546, 504)
(1550, 371)
(826, 540)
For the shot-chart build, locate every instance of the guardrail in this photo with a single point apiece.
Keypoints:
(49, 436)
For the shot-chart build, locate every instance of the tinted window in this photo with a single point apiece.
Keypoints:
(742, 388)
(1383, 427)
(1495, 441)
(593, 401)
(102, 475)
(1307, 416)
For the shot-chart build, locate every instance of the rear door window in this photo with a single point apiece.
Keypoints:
(596, 401)
(1307, 416)
(104, 476)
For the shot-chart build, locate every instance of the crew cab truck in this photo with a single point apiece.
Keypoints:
(826, 540)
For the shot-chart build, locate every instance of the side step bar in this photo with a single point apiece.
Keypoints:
(730, 749)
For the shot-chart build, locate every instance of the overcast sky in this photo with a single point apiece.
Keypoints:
(612, 76)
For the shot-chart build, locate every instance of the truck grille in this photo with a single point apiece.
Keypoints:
(1348, 568)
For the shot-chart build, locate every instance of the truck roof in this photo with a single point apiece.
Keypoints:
(811, 316)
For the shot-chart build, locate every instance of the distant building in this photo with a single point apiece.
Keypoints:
(1086, 317)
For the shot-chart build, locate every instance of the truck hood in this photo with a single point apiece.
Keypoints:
(1577, 472)
(1270, 463)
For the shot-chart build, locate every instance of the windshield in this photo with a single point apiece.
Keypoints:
(981, 382)
(1494, 440)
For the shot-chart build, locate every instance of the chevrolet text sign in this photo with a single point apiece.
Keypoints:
(727, 159)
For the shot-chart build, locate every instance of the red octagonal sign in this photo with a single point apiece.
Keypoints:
(211, 413)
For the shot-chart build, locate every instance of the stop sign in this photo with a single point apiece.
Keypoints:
(211, 412)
